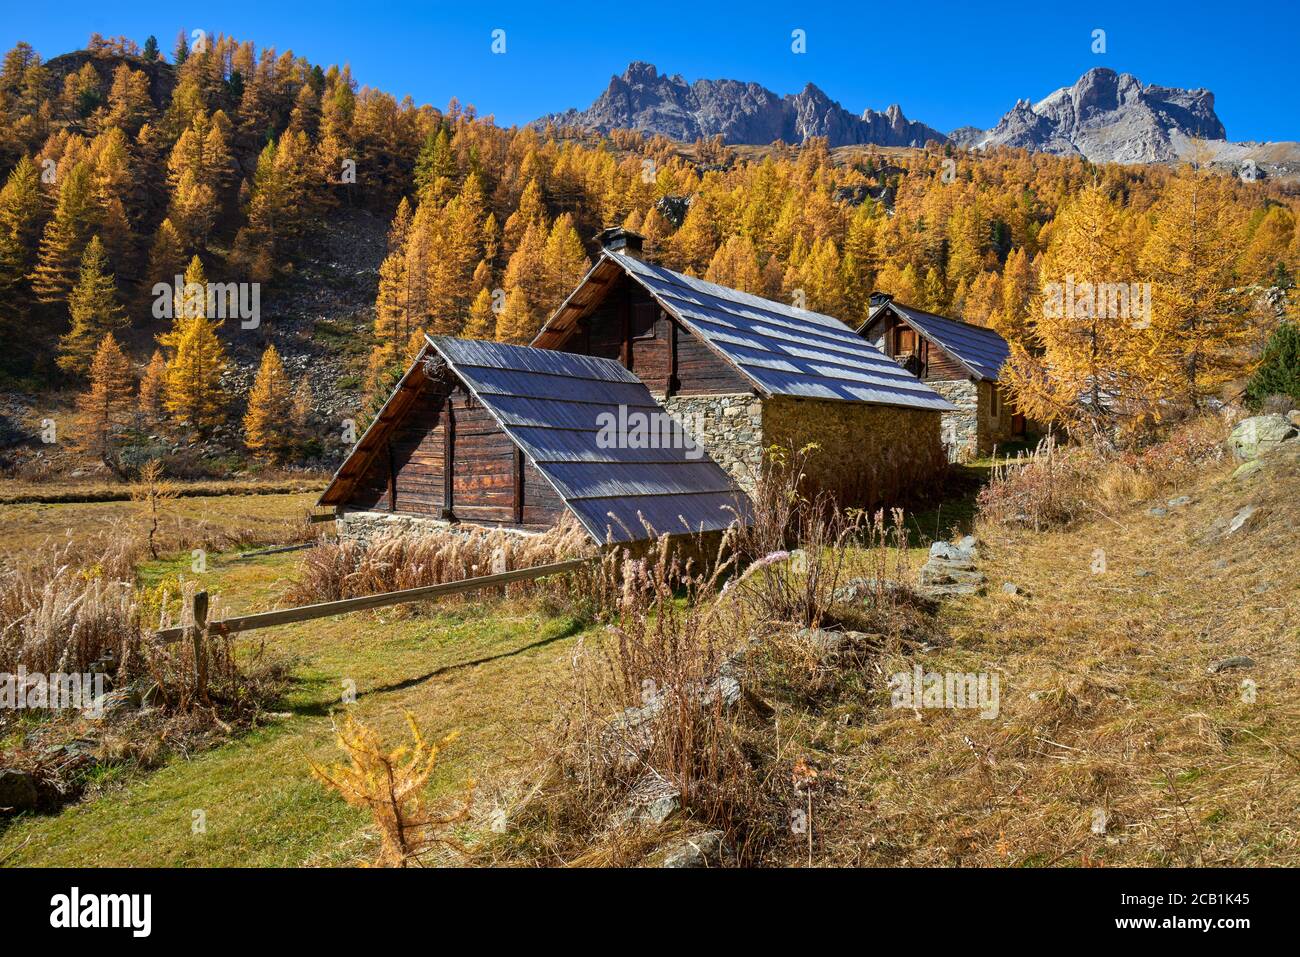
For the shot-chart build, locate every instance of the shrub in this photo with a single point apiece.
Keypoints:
(1278, 373)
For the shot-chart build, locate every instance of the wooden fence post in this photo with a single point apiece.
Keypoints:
(200, 649)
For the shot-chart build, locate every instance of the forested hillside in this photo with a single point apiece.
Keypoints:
(318, 197)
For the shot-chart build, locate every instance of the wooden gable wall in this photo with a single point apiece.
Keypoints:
(630, 327)
(491, 481)
(936, 364)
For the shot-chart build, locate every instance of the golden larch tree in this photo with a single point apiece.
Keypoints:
(104, 412)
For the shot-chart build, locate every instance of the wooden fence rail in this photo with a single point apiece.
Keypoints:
(286, 616)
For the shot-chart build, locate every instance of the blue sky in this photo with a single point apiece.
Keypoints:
(947, 64)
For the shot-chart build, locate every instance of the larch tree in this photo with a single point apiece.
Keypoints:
(152, 385)
(1082, 367)
(735, 264)
(193, 393)
(104, 412)
(270, 408)
(1199, 318)
(482, 322)
(95, 311)
(65, 237)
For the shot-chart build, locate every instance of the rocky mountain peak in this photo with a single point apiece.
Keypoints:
(1109, 117)
(644, 99)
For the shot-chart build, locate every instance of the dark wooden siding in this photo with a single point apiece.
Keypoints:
(935, 363)
(485, 472)
(629, 326)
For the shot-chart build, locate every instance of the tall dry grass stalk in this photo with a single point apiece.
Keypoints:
(346, 569)
(798, 551)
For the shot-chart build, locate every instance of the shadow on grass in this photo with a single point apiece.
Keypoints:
(321, 708)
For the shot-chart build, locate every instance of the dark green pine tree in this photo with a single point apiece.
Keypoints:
(1279, 368)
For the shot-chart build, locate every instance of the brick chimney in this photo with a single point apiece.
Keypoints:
(616, 239)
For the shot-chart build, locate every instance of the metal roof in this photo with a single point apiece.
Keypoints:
(982, 351)
(553, 405)
(781, 350)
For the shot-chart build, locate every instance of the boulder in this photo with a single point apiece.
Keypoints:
(1247, 469)
(1242, 518)
(698, 850)
(17, 791)
(1180, 501)
(1228, 664)
(1294, 417)
(1259, 434)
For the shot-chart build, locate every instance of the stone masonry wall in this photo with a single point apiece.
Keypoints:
(365, 527)
(960, 429)
(730, 427)
(868, 455)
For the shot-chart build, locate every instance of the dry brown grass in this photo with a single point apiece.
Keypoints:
(346, 569)
(1107, 712)
(1057, 485)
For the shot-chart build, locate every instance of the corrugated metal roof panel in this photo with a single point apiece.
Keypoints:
(550, 404)
(605, 479)
(489, 381)
(622, 516)
(549, 413)
(499, 355)
(781, 349)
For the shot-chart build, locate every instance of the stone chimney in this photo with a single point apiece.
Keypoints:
(878, 299)
(616, 239)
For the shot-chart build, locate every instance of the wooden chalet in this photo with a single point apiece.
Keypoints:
(961, 361)
(510, 436)
(747, 372)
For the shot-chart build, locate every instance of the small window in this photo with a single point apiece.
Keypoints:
(644, 317)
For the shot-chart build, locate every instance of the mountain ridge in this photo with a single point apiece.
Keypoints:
(1104, 116)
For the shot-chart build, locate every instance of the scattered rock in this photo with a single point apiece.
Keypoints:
(1240, 520)
(17, 791)
(1180, 501)
(1247, 469)
(1011, 588)
(950, 570)
(110, 705)
(1142, 573)
(1259, 434)
(1237, 661)
(827, 643)
(698, 850)
(1157, 512)
(652, 800)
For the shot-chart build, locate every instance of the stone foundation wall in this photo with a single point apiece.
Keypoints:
(868, 455)
(730, 427)
(365, 527)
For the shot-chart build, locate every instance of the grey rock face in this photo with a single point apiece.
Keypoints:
(1227, 664)
(698, 850)
(644, 99)
(1259, 434)
(1109, 117)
